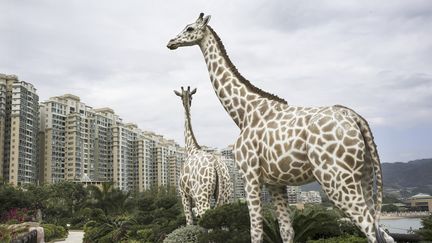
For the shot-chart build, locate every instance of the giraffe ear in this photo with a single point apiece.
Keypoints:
(193, 91)
(200, 17)
(206, 20)
(177, 93)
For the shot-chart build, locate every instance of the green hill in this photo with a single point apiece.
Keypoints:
(414, 176)
(410, 177)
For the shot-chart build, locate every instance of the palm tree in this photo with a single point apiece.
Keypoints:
(312, 222)
(271, 229)
(111, 200)
(108, 229)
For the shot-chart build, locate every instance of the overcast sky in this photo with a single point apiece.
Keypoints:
(375, 58)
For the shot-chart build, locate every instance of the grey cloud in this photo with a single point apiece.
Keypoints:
(374, 57)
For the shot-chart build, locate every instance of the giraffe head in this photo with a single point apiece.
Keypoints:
(186, 96)
(192, 34)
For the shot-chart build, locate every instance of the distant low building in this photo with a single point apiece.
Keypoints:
(293, 194)
(310, 197)
(421, 202)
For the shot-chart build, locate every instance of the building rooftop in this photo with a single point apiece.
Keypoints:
(71, 96)
(105, 109)
(421, 195)
(8, 76)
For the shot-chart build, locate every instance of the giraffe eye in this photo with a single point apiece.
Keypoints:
(189, 29)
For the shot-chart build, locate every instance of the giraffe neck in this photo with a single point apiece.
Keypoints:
(191, 143)
(237, 95)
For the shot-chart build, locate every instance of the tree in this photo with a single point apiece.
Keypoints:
(228, 223)
(390, 208)
(111, 200)
(107, 229)
(11, 197)
(390, 199)
(156, 213)
(315, 222)
(426, 230)
(63, 201)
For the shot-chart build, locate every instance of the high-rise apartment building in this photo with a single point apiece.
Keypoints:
(144, 159)
(147, 176)
(176, 164)
(227, 157)
(77, 140)
(83, 144)
(19, 122)
(169, 161)
(127, 156)
(2, 120)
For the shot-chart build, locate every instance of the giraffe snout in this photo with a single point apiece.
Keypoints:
(172, 45)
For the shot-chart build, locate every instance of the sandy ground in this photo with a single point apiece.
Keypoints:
(74, 237)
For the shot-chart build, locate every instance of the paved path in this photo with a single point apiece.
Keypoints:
(74, 236)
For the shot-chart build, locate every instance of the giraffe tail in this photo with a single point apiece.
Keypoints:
(224, 190)
(371, 147)
(218, 187)
(376, 166)
(381, 236)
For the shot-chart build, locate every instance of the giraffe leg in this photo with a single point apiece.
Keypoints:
(248, 164)
(203, 203)
(280, 200)
(353, 205)
(343, 186)
(253, 199)
(187, 207)
(203, 191)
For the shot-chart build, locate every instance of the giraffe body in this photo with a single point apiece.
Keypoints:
(203, 175)
(281, 145)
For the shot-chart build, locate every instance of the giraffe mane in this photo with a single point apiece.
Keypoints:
(188, 116)
(243, 80)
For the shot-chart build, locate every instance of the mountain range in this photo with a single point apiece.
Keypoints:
(403, 179)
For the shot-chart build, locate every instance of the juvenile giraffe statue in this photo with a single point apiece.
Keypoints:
(203, 175)
(281, 145)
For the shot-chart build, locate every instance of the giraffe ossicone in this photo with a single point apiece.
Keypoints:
(203, 175)
(281, 145)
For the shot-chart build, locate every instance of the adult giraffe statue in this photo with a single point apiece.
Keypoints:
(283, 145)
(203, 175)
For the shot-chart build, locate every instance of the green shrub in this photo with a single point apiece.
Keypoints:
(144, 234)
(339, 239)
(426, 230)
(5, 234)
(52, 231)
(13, 221)
(187, 234)
(227, 223)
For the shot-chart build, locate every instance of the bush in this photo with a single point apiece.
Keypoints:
(5, 234)
(228, 223)
(390, 208)
(426, 230)
(339, 239)
(188, 234)
(16, 215)
(52, 231)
